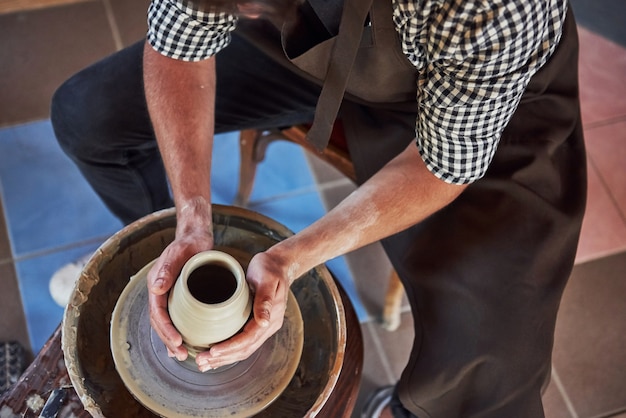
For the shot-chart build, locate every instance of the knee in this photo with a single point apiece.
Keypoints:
(79, 115)
(69, 114)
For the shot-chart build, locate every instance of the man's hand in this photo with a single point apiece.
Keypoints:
(181, 99)
(162, 277)
(269, 282)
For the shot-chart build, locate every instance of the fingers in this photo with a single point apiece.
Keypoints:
(161, 277)
(238, 348)
(270, 301)
(270, 295)
(162, 324)
(269, 312)
(262, 312)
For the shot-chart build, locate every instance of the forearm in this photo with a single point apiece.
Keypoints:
(402, 194)
(180, 97)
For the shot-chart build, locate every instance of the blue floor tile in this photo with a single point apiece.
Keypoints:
(47, 202)
(43, 315)
(284, 170)
(225, 168)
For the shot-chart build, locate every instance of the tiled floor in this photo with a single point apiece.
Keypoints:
(49, 215)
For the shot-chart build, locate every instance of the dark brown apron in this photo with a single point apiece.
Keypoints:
(484, 275)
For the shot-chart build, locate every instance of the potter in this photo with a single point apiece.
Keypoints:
(210, 301)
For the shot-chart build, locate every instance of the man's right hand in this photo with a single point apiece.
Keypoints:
(163, 275)
(181, 101)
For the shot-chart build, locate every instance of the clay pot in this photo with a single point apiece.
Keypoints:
(210, 301)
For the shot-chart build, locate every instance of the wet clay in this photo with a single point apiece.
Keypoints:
(215, 304)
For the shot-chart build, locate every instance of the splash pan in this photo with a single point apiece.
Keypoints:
(86, 325)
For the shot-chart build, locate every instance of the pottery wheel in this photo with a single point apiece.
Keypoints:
(178, 389)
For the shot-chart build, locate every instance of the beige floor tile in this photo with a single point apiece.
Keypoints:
(374, 373)
(553, 404)
(14, 6)
(603, 230)
(602, 82)
(589, 354)
(606, 147)
(41, 49)
(397, 344)
(323, 171)
(130, 18)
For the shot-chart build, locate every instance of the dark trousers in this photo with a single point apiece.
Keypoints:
(101, 121)
(484, 276)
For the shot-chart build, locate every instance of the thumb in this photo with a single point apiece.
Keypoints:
(160, 278)
(262, 308)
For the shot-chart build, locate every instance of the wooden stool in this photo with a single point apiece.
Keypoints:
(253, 144)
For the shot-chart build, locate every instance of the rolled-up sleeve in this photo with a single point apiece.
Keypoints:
(178, 31)
(475, 60)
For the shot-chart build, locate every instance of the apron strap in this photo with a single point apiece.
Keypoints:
(340, 65)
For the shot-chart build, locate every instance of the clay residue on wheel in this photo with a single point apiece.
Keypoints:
(86, 327)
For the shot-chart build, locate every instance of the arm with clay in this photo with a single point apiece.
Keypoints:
(400, 195)
(180, 97)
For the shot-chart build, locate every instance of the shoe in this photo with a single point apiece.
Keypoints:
(377, 405)
(62, 283)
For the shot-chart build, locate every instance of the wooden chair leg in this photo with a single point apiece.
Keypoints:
(393, 302)
(252, 146)
(247, 168)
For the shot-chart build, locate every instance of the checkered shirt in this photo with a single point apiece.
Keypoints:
(474, 60)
